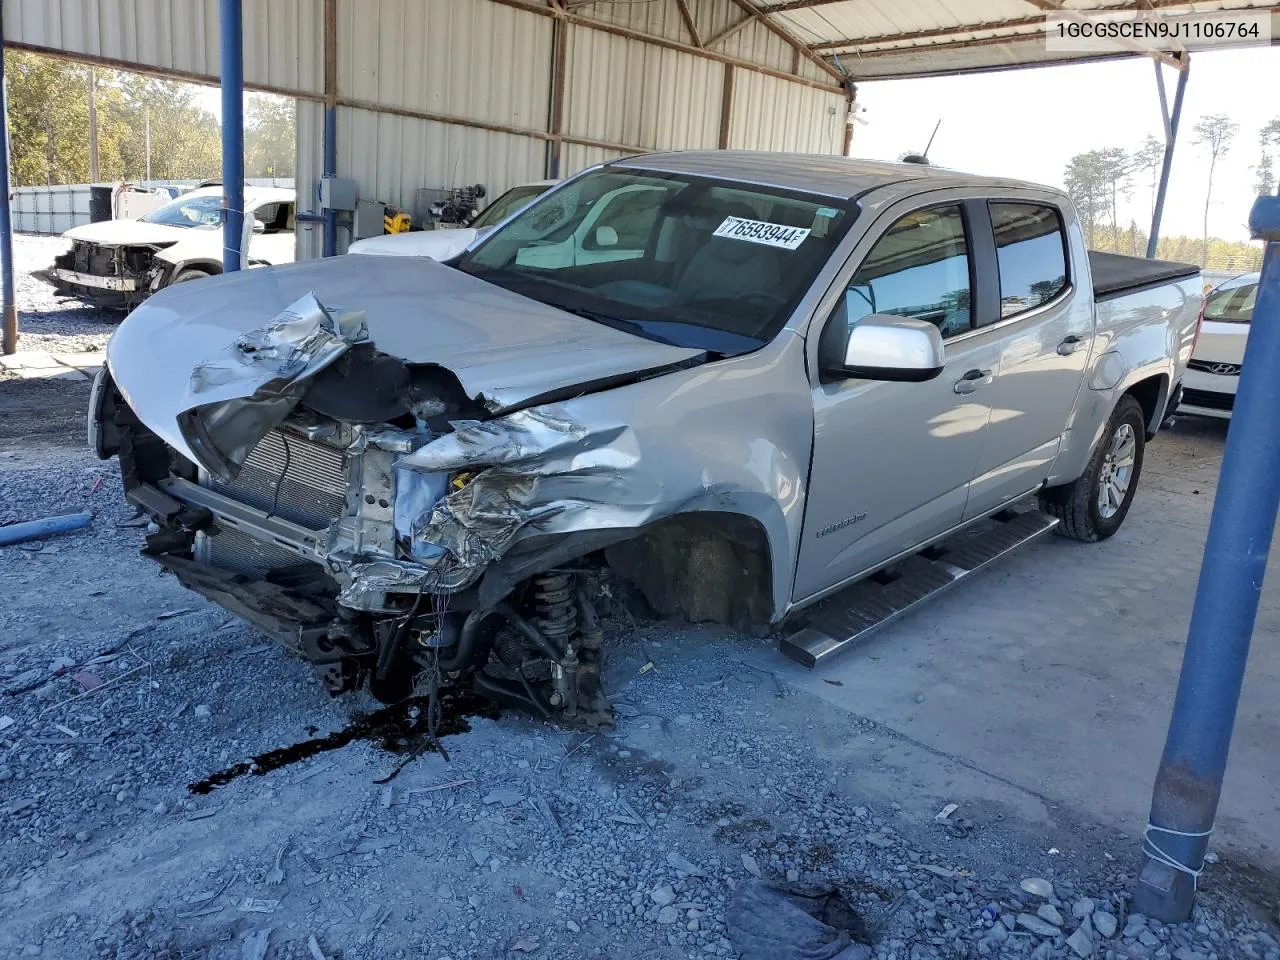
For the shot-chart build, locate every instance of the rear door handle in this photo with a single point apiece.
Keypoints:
(972, 380)
(1068, 346)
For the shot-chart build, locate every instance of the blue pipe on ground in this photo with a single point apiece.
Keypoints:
(37, 529)
(231, 27)
(1188, 784)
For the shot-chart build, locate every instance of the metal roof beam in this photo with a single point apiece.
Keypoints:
(730, 30)
(630, 34)
(689, 24)
(856, 43)
(749, 7)
(797, 5)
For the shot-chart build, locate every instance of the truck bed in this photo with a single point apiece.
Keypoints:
(1115, 274)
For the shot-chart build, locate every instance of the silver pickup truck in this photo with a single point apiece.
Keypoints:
(758, 380)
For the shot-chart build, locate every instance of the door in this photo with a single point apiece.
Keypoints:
(892, 462)
(272, 242)
(1044, 330)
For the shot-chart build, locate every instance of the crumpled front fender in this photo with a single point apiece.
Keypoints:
(732, 437)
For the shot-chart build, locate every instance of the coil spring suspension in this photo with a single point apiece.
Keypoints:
(556, 604)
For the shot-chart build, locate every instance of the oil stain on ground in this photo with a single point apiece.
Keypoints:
(400, 728)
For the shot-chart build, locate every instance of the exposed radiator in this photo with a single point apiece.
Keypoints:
(289, 476)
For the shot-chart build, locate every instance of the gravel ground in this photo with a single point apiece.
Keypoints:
(119, 690)
(51, 323)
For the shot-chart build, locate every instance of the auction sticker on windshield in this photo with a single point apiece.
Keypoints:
(758, 231)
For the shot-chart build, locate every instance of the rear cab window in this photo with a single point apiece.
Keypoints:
(1031, 253)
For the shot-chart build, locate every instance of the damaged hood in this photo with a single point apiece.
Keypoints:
(127, 233)
(506, 350)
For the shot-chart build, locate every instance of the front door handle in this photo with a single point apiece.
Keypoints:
(972, 380)
(1068, 346)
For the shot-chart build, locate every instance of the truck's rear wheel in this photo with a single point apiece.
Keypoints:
(1095, 505)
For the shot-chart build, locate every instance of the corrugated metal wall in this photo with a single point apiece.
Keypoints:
(283, 39)
(446, 93)
(621, 94)
(464, 58)
(628, 92)
(772, 114)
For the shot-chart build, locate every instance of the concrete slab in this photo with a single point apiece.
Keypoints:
(1051, 677)
(36, 364)
(86, 362)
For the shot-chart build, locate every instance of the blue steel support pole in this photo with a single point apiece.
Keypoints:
(1170, 140)
(9, 338)
(329, 162)
(330, 170)
(1189, 782)
(231, 26)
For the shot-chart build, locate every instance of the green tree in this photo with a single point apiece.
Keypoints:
(186, 143)
(1149, 159)
(1095, 180)
(270, 137)
(1265, 183)
(49, 122)
(1268, 140)
(1087, 188)
(48, 117)
(1214, 131)
(1115, 166)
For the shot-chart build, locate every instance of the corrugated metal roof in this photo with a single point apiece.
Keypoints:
(897, 38)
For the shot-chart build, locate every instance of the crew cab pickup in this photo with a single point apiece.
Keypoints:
(793, 374)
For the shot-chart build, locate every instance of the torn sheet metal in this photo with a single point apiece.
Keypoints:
(237, 396)
(302, 340)
(367, 582)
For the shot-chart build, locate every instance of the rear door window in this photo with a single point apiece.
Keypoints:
(1031, 253)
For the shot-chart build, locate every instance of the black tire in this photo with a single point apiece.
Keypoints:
(1077, 504)
(190, 274)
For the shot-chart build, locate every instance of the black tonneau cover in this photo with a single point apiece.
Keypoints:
(1114, 274)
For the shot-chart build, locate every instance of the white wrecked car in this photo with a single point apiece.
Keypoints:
(119, 263)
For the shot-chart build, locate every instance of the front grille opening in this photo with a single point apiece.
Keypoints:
(290, 476)
(1208, 399)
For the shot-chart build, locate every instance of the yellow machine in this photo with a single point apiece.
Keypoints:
(396, 221)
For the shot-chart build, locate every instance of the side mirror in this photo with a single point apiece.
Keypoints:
(259, 226)
(884, 347)
(606, 237)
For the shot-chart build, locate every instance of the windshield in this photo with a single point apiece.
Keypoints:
(710, 264)
(202, 211)
(1232, 305)
(507, 204)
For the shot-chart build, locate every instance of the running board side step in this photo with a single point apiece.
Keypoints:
(853, 614)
